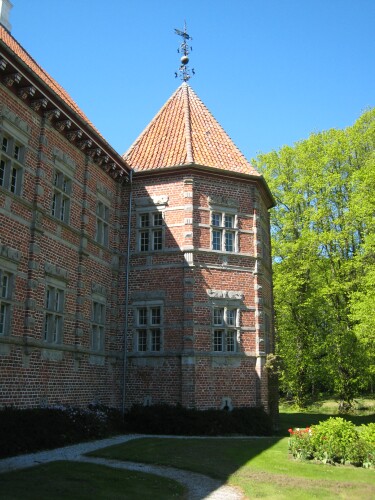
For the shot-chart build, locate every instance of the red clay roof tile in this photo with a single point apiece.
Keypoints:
(185, 132)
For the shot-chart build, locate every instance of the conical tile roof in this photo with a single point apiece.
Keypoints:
(184, 132)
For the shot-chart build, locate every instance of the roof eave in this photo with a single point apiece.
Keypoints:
(212, 170)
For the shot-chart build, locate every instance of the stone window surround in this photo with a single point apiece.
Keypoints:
(9, 260)
(12, 157)
(150, 238)
(226, 300)
(148, 327)
(223, 207)
(102, 222)
(55, 288)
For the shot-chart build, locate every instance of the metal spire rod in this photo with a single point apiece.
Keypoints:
(184, 49)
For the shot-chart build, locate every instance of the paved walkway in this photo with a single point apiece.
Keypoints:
(198, 486)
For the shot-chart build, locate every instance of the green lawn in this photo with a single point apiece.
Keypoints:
(261, 467)
(81, 481)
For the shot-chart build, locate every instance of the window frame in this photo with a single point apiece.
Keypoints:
(53, 326)
(61, 196)
(225, 329)
(98, 322)
(102, 223)
(6, 301)
(150, 230)
(221, 229)
(12, 159)
(148, 326)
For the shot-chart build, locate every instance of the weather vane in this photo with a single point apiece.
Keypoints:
(184, 49)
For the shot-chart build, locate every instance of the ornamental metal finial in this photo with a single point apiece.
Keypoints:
(184, 49)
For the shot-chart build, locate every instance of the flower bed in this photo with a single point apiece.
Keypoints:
(335, 441)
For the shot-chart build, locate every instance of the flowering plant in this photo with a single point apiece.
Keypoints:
(300, 443)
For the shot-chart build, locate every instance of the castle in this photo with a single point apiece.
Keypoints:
(136, 279)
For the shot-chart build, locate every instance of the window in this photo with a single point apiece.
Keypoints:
(150, 231)
(53, 321)
(61, 196)
(102, 218)
(98, 326)
(11, 164)
(6, 281)
(225, 331)
(224, 231)
(148, 322)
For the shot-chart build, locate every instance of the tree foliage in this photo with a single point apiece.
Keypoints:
(324, 259)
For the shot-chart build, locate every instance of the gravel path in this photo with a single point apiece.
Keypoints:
(198, 486)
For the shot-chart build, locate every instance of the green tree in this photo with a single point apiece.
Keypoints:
(323, 258)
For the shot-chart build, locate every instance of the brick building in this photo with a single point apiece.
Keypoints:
(162, 254)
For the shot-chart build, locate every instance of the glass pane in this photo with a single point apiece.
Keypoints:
(229, 220)
(142, 340)
(218, 316)
(158, 240)
(144, 220)
(158, 219)
(144, 241)
(229, 242)
(231, 317)
(155, 316)
(218, 340)
(142, 316)
(216, 220)
(17, 151)
(155, 340)
(2, 172)
(4, 145)
(231, 335)
(4, 308)
(4, 289)
(13, 180)
(216, 240)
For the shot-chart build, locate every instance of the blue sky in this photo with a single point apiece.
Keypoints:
(270, 71)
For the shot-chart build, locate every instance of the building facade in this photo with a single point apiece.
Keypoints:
(140, 279)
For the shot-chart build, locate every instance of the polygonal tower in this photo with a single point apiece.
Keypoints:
(200, 308)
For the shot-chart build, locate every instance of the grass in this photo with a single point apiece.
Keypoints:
(81, 481)
(261, 467)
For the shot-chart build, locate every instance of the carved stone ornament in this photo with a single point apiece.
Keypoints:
(94, 152)
(3, 64)
(225, 294)
(63, 124)
(52, 114)
(39, 103)
(10, 253)
(56, 271)
(74, 135)
(9, 80)
(99, 289)
(26, 92)
(222, 201)
(87, 143)
(148, 201)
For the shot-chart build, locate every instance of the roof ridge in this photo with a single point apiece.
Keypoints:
(189, 147)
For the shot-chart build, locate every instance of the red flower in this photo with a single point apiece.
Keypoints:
(290, 431)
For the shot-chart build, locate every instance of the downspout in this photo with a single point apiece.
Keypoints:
(127, 270)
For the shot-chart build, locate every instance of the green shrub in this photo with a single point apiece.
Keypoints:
(332, 440)
(335, 441)
(33, 429)
(176, 420)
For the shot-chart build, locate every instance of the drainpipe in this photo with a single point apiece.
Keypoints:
(127, 270)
